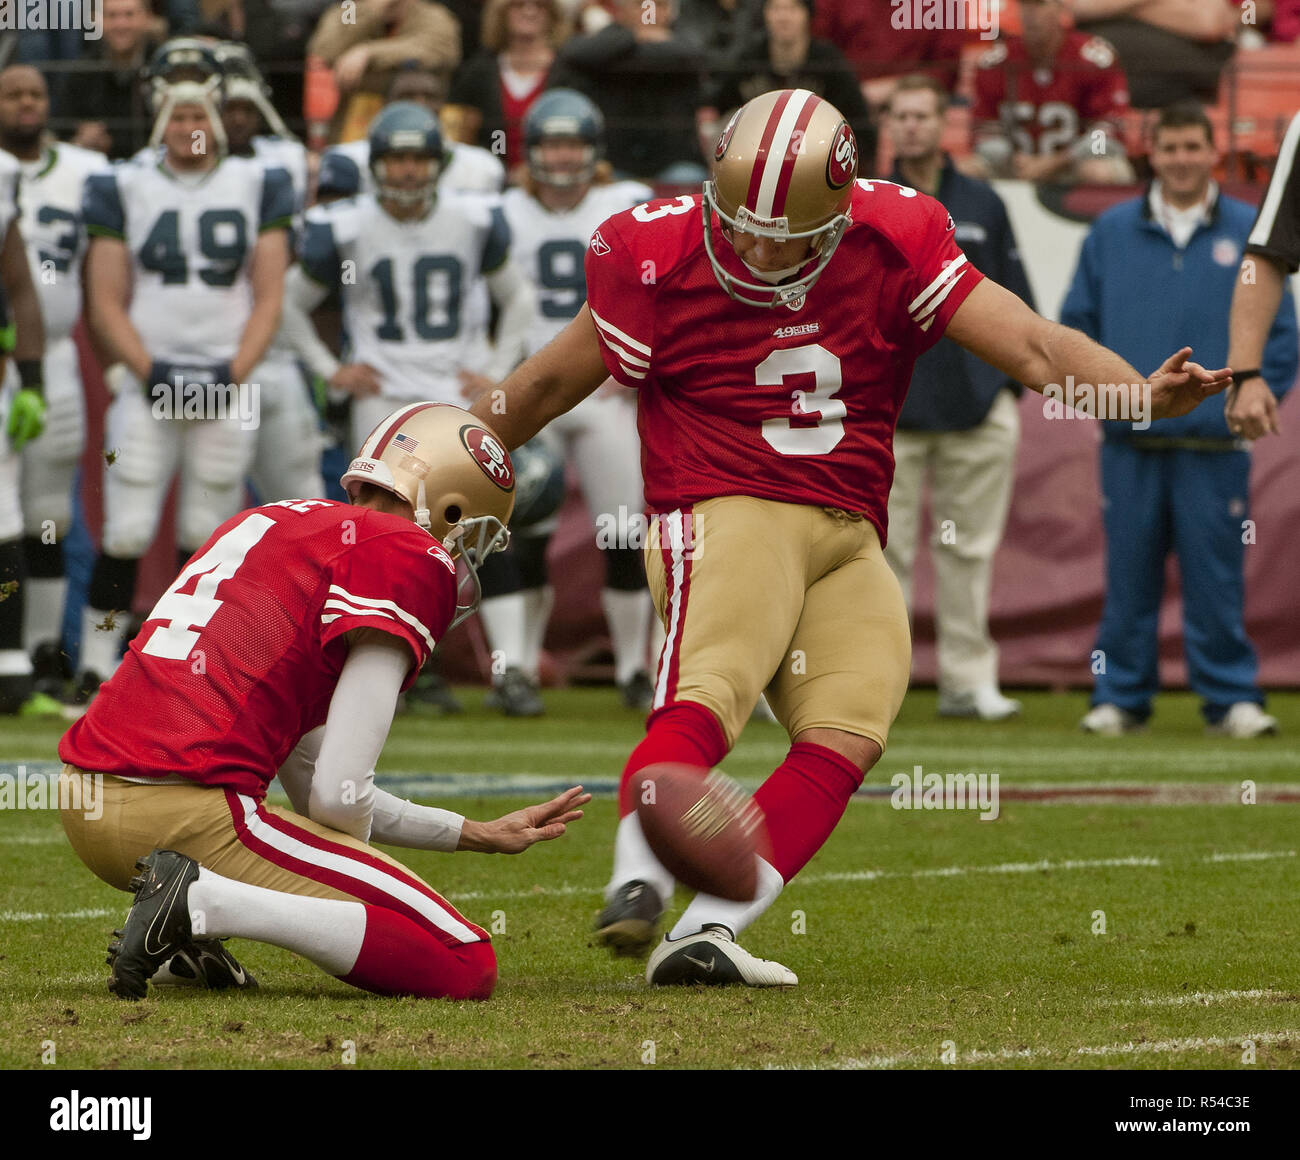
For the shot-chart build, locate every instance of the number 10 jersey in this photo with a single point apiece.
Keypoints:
(790, 404)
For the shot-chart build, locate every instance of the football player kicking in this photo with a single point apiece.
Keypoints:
(282, 646)
(770, 325)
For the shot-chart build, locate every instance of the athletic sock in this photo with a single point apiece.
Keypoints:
(503, 623)
(635, 862)
(537, 611)
(367, 946)
(45, 591)
(706, 910)
(803, 800)
(628, 616)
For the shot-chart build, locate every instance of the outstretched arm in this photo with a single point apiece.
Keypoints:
(556, 379)
(993, 324)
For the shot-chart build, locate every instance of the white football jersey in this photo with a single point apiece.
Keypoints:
(10, 172)
(52, 190)
(289, 155)
(407, 287)
(550, 248)
(191, 241)
(471, 170)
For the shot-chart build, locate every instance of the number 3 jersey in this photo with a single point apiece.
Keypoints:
(241, 655)
(796, 405)
(191, 239)
(406, 286)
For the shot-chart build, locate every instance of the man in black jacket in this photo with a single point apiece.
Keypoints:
(959, 424)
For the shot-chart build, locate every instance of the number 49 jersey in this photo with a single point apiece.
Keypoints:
(796, 405)
(191, 244)
(240, 657)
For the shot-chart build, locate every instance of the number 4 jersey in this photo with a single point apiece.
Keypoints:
(241, 655)
(797, 405)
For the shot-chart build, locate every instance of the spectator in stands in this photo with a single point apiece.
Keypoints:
(649, 86)
(1171, 49)
(469, 13)
(1048, 104)
(959, 425)
(786, 56)
(107, 99)
(721, 29)
(492, 93)
(369, 49)
(1156, 270)
(867, 32)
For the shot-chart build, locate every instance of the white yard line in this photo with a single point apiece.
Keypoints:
(1064, 1054)
(1195, 999)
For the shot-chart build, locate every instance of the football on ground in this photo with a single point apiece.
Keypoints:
(703, 827)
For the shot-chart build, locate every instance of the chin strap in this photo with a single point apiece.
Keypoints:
(422, 510)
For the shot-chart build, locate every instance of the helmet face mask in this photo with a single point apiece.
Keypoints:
(186, 71)
(784, 169)
(406, 128)
(563, 115)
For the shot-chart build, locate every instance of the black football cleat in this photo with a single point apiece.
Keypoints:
(431, 691)
(515, 695)
(158, 924)
(204, 963)
(637, 692)
(627, 924)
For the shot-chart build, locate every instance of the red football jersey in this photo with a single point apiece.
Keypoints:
(1045, 110)
(240, 657)
(797, 405)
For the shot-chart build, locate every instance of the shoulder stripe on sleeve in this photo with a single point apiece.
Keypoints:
(610, 329)
(1283, 174)
(924, 305)
(341, 598)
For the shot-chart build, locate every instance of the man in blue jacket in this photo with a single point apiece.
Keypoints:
(1156, 269)
(959, 424)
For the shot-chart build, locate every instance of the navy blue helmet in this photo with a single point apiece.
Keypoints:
(405, 127)
(563, 114)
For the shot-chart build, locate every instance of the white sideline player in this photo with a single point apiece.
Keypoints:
(568, 194)
(286, 464)
(406, 262)
(54, 176)
(184, 280)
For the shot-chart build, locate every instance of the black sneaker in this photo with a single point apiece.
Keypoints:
(51, 669)
(515, 695)
(627, 924)
(204, 963)
(637, 692)
(432, 691)
(158, 924)
(88, 682)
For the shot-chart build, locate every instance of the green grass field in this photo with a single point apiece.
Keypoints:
(921, 938)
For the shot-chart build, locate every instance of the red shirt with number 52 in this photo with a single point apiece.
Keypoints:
(240, 657)
(797, 405)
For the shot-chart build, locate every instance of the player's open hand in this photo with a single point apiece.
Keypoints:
(357, 379)
(1251, 410)
(1180, 386)
(514, 833)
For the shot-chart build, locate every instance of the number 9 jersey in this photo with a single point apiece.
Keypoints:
(795, 403)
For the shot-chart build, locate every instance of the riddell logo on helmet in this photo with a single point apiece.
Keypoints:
(745, 220)
(842, 163)
(489, 455)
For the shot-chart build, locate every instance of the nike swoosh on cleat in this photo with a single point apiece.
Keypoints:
(704, 966)
(161, 917)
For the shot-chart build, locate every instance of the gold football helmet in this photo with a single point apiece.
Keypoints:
(456, 475)
(784, 168)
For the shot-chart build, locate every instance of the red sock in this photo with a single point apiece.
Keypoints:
(803, 800)
(683, 731)
(400, 958)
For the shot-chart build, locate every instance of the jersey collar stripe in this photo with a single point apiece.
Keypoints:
(760, 158)
(610, 328)
(382, 435)
(944, 275)
(930, 313)
(369, 602)
(334, 864)
(1282, 175)
(789, 154)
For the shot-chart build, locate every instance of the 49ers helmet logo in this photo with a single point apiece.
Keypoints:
(725, 139)
(489, 455)
(842, 161)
